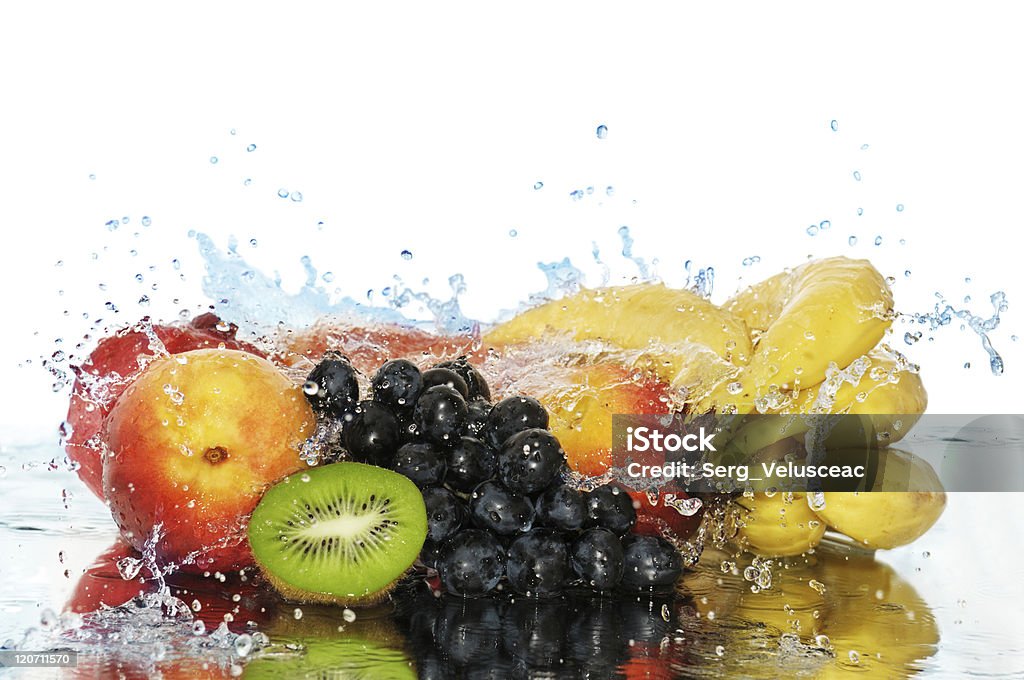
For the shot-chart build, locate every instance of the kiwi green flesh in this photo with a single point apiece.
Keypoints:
(343, 533)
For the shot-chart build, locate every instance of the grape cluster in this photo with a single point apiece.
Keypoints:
(493, 478)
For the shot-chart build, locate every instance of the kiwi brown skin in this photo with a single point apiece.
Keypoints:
(278, 519)
(299, 596)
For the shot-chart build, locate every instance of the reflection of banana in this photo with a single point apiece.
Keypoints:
(823, 312)
(881, 627)
(675, 323)
(778, 525)
(905, 502)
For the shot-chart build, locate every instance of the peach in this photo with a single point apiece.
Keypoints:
(194, 442)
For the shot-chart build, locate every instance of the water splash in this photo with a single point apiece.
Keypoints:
(944, 313)
(627, 252)
(255, 302)
(703, 282)
(563, 278)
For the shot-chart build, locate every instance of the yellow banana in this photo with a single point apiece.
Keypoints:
(779, 525)
(882, 386)
(690, 336)
(823, 312)
(905, 502)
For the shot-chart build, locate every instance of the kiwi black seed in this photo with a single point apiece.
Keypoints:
(342, 533)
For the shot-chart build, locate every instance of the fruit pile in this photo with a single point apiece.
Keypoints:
(494, 482)
(198, 441)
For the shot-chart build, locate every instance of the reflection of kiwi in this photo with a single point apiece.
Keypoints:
(341, 533)
(323, 643)
(340, 657)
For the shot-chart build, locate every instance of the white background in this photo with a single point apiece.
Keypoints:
(425, 127)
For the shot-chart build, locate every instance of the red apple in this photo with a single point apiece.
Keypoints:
(111, 367)
(195, 440)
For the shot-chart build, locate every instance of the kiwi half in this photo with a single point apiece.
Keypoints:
(342, 533)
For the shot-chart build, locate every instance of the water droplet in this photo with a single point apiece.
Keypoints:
(48, 619)
(513, 233)
(283, 193)
(146, 221)
(720, 650)
(856, 175)
(129, 567)
(852, 240)
(297, 196)
(878, 240)
(967, 364)
(834, 125)
(602, 131)
(213, 160)
(406, 255)
(348, 615)
(247, 181)
(863, 147)
(250, 148)
(328, 277)
(912, 338)
(538, 185)
(233, 131)
(198, 627)
(609, 191)
(92, 176)
(899, 207)
(854, 656)
(812, 230)
(112, 225)
(817, 586)
(243, 645)
(825, 224)
(752, 260)
(298, 613)
(906, 273)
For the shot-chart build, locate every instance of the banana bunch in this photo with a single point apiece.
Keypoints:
(806, 341)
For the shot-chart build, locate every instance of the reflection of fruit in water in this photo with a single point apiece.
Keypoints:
(116, 361)
(212, 600)
(879, 617)
(340, 533)
(101, 583)
(778, 525)
(906, 500)
(195, 440)
(332, 643)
